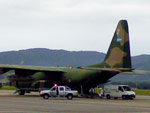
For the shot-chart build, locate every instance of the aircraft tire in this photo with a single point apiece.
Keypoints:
(21, 92)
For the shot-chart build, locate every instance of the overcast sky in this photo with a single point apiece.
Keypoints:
(74, 25)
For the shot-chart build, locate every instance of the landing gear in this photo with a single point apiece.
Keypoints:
(21, 92)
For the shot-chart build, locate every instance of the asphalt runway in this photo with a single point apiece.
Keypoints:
(32, 103)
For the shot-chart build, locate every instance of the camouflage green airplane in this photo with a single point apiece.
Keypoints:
(35, 78)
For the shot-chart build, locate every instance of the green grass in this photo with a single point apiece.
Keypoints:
(142, 92)
(8, 88)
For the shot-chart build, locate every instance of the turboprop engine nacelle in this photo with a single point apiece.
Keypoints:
(39, 76)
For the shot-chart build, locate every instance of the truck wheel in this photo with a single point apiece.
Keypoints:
(108, 96)
(46, 96)
(123, 97)
(131, 98)
(69, 97)
(21, 92)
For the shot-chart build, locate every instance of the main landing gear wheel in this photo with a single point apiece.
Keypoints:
(21, 92)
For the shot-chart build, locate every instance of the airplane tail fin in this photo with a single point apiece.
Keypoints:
(118, 55)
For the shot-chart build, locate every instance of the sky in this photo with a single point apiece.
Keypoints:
(74, 25)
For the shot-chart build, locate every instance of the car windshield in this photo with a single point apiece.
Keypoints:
(126, 88)
(68, 89)
(53, 89)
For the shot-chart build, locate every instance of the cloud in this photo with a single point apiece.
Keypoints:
(71, 25)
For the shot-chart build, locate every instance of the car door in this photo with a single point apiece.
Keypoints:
(53, 91)
(61, 91)
(121, 91)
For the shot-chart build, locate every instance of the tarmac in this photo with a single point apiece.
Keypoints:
(33, 103)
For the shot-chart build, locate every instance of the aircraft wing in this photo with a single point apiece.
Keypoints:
(5, 68)
(119, 70)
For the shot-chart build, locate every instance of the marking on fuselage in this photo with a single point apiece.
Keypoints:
(119, 40)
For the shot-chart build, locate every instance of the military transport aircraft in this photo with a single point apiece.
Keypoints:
(35, 78)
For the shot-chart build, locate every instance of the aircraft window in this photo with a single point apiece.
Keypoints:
(120, 89)
(61, 89)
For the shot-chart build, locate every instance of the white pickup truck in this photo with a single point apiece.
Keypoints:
(61, 91)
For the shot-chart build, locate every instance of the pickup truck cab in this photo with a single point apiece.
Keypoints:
(61, 91)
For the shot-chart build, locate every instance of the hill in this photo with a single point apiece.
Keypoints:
(141, 62)
(47, 57)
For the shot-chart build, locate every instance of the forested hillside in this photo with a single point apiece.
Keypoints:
(47, 57)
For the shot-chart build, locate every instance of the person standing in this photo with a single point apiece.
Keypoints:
(57, 91)
(102, 93)
(91, 92)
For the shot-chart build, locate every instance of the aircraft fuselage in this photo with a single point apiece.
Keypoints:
(72, 77)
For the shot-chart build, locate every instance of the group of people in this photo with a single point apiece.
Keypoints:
(92, 93)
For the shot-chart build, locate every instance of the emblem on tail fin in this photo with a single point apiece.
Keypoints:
(119, 39)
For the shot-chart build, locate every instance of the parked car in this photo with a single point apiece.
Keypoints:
(61, 91)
